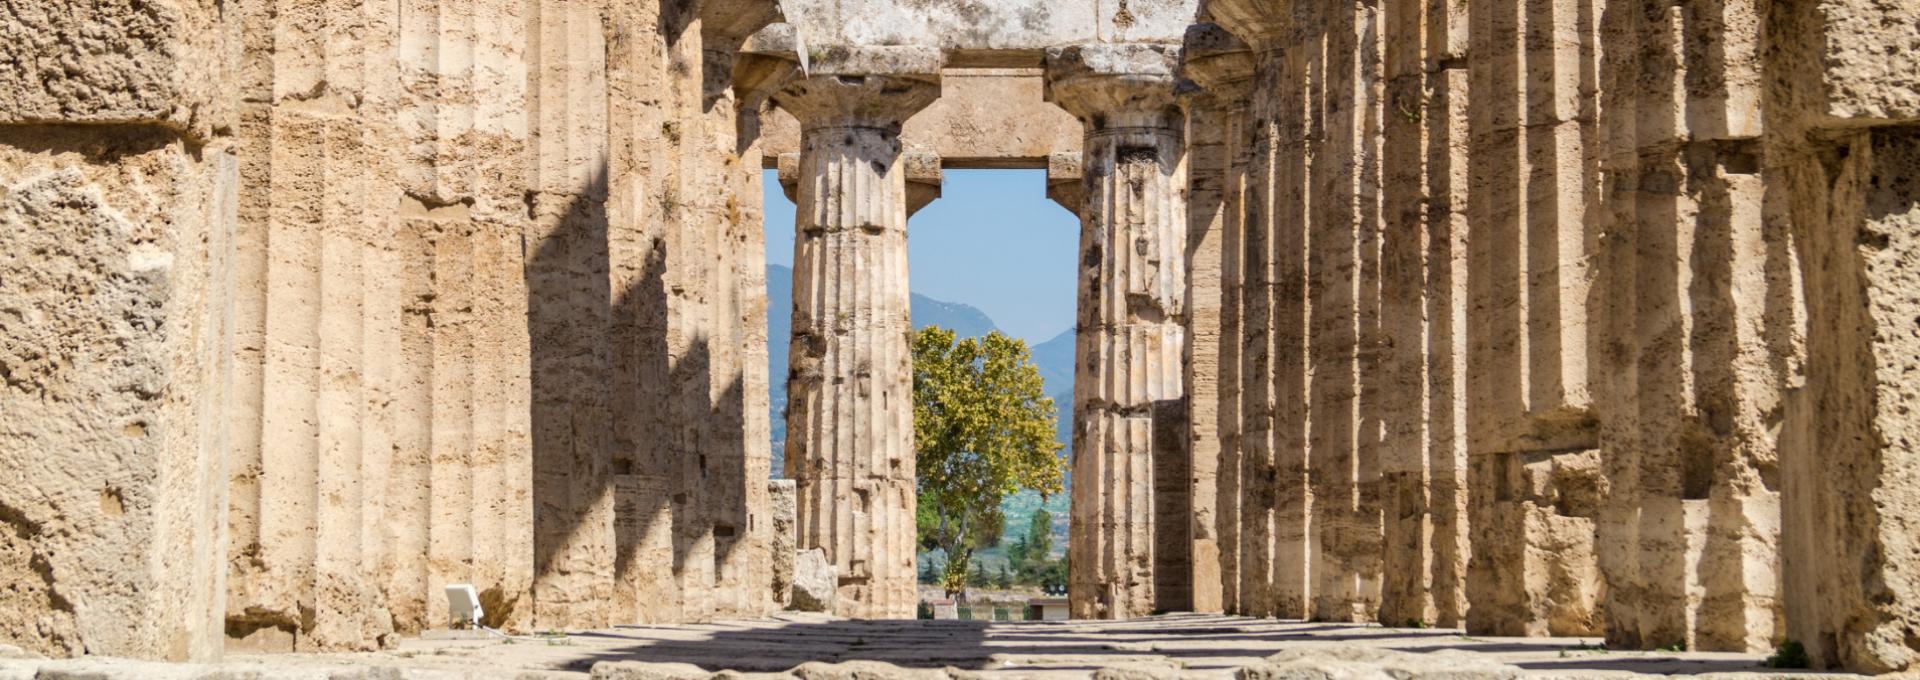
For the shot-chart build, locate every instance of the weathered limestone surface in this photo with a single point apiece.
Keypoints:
(1210, 120)
(1000, 33)
(985, 118)
(1422, 291)
(167, 63)
(398, 281)
(1617, 344)
(116, 334)
(783, 546)
(1841, 151)
(1532, 436)
(310, 309)
(1130, 464)
(1275, 500)
(1311, 390)
(1222, 67)
(850, 414)
(1702, 304)
(117, 228)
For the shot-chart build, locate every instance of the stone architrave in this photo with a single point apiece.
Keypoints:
(850, 410)
(1128, 388)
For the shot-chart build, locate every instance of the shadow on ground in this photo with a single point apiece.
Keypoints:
(1192, 642)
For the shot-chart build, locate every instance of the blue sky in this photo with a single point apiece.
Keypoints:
(992, 240)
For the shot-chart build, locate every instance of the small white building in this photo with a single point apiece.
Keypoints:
(1049, 608)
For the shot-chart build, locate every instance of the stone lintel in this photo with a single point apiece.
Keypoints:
(727, 24)
(986, 118)
(1258, 22)
(1219, 63)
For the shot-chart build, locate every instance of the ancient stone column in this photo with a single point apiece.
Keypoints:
(1534, 467)
(1700, 311)
(1221, 66)
(850, 409)
(1275, 503)
(1128, 393)
(1843, 153)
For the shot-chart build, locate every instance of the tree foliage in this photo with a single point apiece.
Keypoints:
(983, 428)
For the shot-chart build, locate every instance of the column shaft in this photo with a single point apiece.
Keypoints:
(850, 410)
(1129, 400)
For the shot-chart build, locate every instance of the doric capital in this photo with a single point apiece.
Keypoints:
(725, 24)
(877, 87)
(1218, 62)
(1108, 85)
(1258, 22)
(924, 177)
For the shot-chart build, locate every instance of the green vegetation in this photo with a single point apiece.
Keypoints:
(1790, 654)
(983, 429)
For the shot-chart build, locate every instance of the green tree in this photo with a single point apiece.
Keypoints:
(1040, 536)
(983, 428)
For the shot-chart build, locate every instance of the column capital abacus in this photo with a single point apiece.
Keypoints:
(1219, 63)
(1114, 86)
(1260, 23)
(865, 87)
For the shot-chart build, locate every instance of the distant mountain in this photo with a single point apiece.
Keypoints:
(1054, 359)
(966, 320)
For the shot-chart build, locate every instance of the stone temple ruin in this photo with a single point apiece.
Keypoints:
(1536, 318)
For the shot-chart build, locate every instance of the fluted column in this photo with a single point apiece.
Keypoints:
(1221, 66)
(850, 409)
(1128, 393)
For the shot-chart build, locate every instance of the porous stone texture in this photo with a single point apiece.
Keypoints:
(405, 295)
(167, 63)
(1221, 67)
(816, 582)
(1841, 147)
(1541, 319)
(849, 381)
(1209, 120)
(1309, 313)
(1609, 366)
(993, 32)
(116, 339)
(1701, 299)
(1131, 516)
(781, 506)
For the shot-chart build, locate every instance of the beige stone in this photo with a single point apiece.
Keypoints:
(163, 63)
(1537, 318)
(816, 582)
(115, 344)
(985, 118)
(1130, 461)
(849, 415)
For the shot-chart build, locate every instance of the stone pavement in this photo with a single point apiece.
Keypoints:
(809, 646)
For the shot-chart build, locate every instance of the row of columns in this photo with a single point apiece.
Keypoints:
(850, 429)
(1656, 394)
